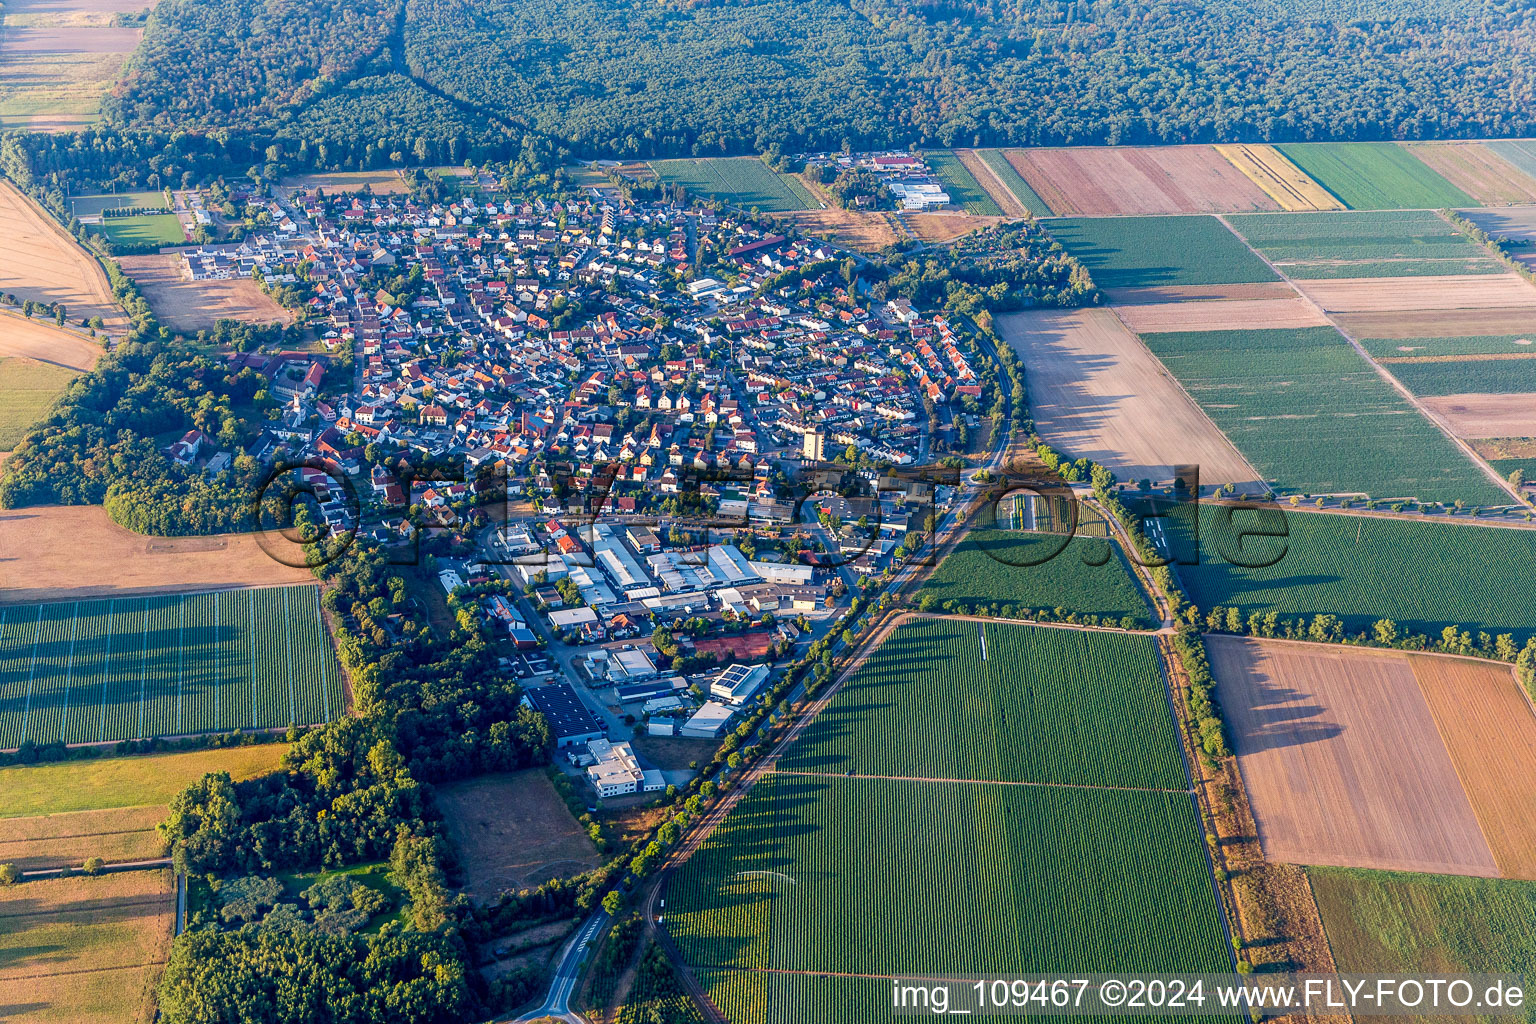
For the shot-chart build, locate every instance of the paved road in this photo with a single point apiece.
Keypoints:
(558, 1003)
(121, 865)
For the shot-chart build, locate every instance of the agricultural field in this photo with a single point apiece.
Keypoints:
(959, 699)
(512, 831)
(1096, 391)
(28, 389)
(1375, 176)
(46, 264)
(963, 188)
(1477, 416)
(1342, 760)
(999, 568)
(1410, 296)
(1517, 224)
(94, 952)
(1477, 170)
(1280, 179)
(1314, 417)
(41, 341)
(65, 840)
(1220, 314)
(1112, 181)
(1127, 252)
(1519, 153)
(743, 182)
(1423, 575)
(971, 879)
(189, 305)
(997, 161)
(61, 787)
(379, 182)
(1363, 245)
(107, 670)
(1440, 377)
(59, 58)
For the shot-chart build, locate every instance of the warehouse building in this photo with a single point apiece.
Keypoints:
(569, 719)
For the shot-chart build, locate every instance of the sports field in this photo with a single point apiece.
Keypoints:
(98, 671)
(1397, 243)
(1131, 252)
(1375, 176)
(963, 188)
(1313, 417)
(27, 390)
(148, 229)
(957, 699)
(1422, 575)
(1002, 569)
(93, 204)
(744, 182)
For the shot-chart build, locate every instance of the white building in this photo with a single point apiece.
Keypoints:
(735, 684)
(708, 722)
(784, 573)
(615, 770)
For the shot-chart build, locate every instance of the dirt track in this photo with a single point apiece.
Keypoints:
(1097, 391)
(1342, 759)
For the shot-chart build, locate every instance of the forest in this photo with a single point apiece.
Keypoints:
(422, 80)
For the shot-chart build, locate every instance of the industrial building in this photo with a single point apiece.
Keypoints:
(616, 771)
(735, 684)
(569, 719)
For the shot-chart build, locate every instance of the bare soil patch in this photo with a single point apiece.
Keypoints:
(1518, 223)
(42, 262)
(57, 840)
(1342, 760)
(1476, 416)
(1098, 392)
(987, 178)
(946, 227)
(1401, 294)
(674, 752)
(1476, 170)
(865, 230)
(85, 950)
(513, 831)
(188, 305)
(384, 182)
(1109, 182)
(1221, 315)
(69, 552)
(1441, 323)
(1196, 292)
(45, 342)
(1506, 447)
(1490, 731)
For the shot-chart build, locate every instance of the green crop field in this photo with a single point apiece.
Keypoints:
(27, 390)
(882, 877)
(1039, 705)
(93, 784)
(1314, 417)
(963, 188)
(1520, 152)
(1497, 344)
(1469, 376)
(1422, 575)
(1400, 243)
(149, 229)
(998, 161)
(1508, 466)
(1009, 568)
(1127, 252)
(1375, 175)
(99, 671)
(1387, 922)
(743, 182)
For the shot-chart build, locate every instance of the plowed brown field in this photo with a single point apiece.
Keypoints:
(1342, 760)
(1098, 392)
(1221, 315)
(46, 342)
(42, 262)
(1473, 416)
(1477, 170)
(1441, 323)
(1103, 181)
(1192, 292)
(1489, 729)
(1403, 294)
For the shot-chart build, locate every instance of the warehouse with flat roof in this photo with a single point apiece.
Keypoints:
(569, 719)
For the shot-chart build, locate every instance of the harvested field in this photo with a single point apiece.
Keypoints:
(1220, 315)
(189, 305)
(1476, 170)
(58, 58)
(66, 840)
(1446, 323)
(27, 390)
(997, 162)
(1473, 416)
(1195, 292)
(85, 950)
(1096, 391)
(1282, 180)
(512, 831)
(63, 787)
(45, 342)
(1486, 722)
(68, 552)
(989, 180)
(1114, 182)
(946, 227)
(45, 264)
(864, 230)
(1518, 223)
(385, 182)
(1342, 760)
(1391, 295)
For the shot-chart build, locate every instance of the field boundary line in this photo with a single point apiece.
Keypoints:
(181, 656)
(325, 668)
(143, 668)
(1381, 371)
(106, 674)
(981, 782)
(37, 639)
(69, 672)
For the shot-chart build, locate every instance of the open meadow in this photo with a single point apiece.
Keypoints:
(189, 305)
(1118, 182)
(27, 390)
(106, 670)
(45, 264)
(743, 182)
(1314, 417)
(1128, 252)
(85, 950)
(59, 787)
(72, 552)
(511, 832)
(1375, 175)
(1096, 391)
(59, 58)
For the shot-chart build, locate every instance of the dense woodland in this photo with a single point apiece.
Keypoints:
(442, 79)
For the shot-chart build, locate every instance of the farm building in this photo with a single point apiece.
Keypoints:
(569, 720)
